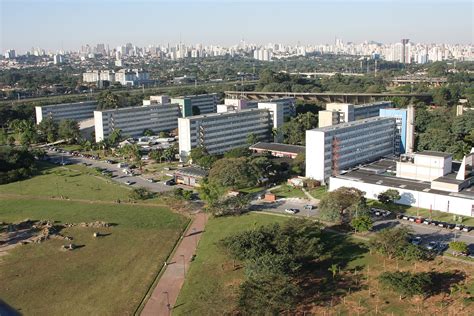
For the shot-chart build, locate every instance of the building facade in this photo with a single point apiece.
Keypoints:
(332, 149)
(202, 104)
(77, 111)
(132, 121)
(401, 119)
(221, 132)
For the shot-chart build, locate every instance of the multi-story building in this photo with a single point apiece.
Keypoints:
(197, 104)
(288, 104)
(401, 119)
(221, 132)
(132, 121)
(74, 111)
(332, 149)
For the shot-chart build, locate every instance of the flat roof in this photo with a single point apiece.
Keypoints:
(353, 123)
(228, 113)
(365, 175)
(69, 103)
(192, 172)
(434, 154)
(292, 149)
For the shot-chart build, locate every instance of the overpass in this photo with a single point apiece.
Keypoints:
(327, 97)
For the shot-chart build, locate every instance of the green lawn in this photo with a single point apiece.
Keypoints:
(212, 284)
(73, 181)
(288, 191)
(318, 192)
(210, 288)
(108, 275)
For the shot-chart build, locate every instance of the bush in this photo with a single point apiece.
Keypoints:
(141, 194)
(459, 246)
(407, 283)
(15, 164)
(362, 223)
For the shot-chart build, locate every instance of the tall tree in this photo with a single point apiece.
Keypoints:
(69, 130)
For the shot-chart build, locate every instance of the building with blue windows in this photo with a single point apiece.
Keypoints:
(401, 117)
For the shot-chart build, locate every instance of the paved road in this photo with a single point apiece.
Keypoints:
(166, 292)
(119, 176)
(280, 205)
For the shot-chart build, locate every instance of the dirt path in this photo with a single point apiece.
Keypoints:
(168, 287)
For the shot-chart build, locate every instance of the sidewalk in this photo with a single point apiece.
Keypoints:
(168, 287)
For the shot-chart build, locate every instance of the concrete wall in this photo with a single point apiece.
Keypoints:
(444, 203)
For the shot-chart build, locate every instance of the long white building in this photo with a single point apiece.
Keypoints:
(332, 149)
(336, 113)
(74, 111)
(424, 180)
(132, 121)
(221, 132)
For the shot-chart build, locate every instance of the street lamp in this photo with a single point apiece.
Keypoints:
(195, 239)
(168, 302)
(184, 266)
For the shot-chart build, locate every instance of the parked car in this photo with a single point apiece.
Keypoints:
(150, 180)
(419, 220)
(308, 207)
(411, 219)
(432, 245)
(450, 225)
(427, 221)
(467, 229)
(442, 246)
(434, 223)
(442, 224)
(416, 241)
(291, 210)
(459, 227)
(170, 182)
(128, 182)
(405, 217)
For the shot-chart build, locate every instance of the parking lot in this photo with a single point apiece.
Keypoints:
(116, 173)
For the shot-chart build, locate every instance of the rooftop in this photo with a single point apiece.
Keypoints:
(434, 154)
(353, 123)
(192, 172)
(381, 172)
(293, 149)
(71, 104)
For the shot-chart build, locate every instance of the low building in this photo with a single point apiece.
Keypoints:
(441, 189)
(278, 149)
(77, 111)
(190, 176)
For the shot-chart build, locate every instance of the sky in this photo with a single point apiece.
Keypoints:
(68, 24)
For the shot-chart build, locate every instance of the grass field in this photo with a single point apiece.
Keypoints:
(72, 181)
(318, 192)
(288, 191)
(108, 275)
(212, 283)
(210, 288)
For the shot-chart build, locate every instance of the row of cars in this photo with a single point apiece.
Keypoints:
(426, 221)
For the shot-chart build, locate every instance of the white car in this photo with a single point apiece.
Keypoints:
(291, 210)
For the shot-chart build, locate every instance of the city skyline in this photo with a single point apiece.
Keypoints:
(227, 22)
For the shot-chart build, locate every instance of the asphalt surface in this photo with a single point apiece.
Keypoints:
(117, 174)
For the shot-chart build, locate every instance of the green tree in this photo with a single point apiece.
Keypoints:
(48, 129)
(156, 154)
(362, 223)
(459, 246)
(252, 139)
(407, 283)
(115, 137)
(334, 203)
(108, 100)
(389, 196)
(69, 130)
(148, 132)
(201, 157)
(232, 173)
(170, 153)
(141, 194)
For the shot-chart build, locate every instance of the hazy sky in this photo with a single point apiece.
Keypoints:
(68, 24)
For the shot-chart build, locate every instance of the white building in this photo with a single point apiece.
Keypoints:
(132, 121)
(221, 132)
(428, 183)
(74, 111)
(336, 113)
(332, 149)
